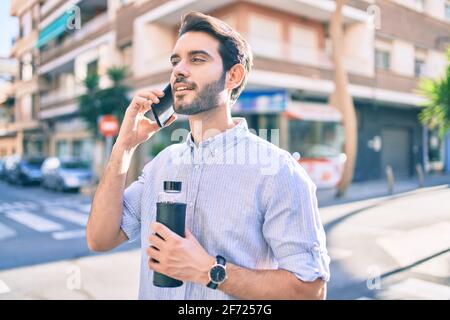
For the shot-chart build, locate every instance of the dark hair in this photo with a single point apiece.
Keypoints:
(233, 48)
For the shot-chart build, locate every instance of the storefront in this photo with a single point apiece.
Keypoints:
(388, 135)
(312, 132)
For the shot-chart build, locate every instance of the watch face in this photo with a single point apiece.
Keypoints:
(217, 274)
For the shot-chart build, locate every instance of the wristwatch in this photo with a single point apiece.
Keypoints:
(217, 273)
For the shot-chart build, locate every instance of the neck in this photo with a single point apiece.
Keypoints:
(210, 123)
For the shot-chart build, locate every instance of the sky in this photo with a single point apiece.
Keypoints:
(8, 28)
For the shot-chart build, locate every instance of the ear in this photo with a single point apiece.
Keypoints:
(235, 76)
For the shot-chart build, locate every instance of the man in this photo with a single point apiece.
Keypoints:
(256, 220)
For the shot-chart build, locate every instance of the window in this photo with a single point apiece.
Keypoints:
(34, 110)
(420, 62)
(62, 148)
(419, 67)
(315, 139)
(127, 53)
(420, 5)
(382, 59)
(266, 35)
(76, 148)
(92, 67)
(26, 67)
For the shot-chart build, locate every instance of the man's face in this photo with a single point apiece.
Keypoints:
(197, 76)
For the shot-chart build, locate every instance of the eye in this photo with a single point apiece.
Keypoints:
(197, 60)
(174, 63)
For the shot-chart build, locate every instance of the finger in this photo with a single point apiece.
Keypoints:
(154, 265)
(151, 95)
(154, 253)
(139, 102)
(163, 231)
(156, 241)
(148, 96)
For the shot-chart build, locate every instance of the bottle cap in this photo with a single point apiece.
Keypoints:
(172, 185)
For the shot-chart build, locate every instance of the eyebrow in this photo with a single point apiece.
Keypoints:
(192, 53)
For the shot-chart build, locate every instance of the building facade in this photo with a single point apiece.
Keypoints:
(389, 45)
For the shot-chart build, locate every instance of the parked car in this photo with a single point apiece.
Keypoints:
(65, 174)
(24, 170)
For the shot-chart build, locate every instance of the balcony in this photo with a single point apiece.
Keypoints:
(89, 30)
(303, 55)
(18, 6)
(61, 95)
(24, 44)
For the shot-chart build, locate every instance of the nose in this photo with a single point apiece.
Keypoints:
(181, 70)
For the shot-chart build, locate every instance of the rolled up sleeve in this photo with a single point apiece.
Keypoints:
(131, 214)
(292, 225)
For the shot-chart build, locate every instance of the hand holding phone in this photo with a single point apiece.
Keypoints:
(136, 127)
(163, 110)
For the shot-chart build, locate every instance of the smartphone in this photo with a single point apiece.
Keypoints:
(162, 111)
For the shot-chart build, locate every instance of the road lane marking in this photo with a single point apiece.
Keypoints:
(6, 232)
(421, 289)
(34, 222)
(69, 215)
(64, 235)
(3, 287)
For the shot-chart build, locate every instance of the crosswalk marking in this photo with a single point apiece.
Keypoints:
(33, 221)
(421, 289)
(6, 232)
(69, 215)
(64, 235)
(85, 207)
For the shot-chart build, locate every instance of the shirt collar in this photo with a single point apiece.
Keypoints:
(226, 138)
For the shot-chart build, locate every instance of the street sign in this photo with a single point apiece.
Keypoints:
(109, 125)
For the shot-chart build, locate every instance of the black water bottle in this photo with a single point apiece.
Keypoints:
(171, 212)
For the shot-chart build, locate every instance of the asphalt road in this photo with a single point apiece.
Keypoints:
(38, 225)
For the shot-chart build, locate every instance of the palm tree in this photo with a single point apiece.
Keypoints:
(436, 114)
(342, 99)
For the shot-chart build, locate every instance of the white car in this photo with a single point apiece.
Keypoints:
(65, 173)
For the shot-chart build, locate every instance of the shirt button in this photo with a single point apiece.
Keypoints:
(191, 204)
(197, 167)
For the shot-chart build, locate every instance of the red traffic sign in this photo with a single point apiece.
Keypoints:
(109, 125)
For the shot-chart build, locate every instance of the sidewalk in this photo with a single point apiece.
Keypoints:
(116, 275)
(104, 276)
(379, 188)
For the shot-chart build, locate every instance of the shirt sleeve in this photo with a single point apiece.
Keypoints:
(131, 213)
(292, 225)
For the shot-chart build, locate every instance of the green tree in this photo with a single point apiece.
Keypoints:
(436, 114)
(97, 102)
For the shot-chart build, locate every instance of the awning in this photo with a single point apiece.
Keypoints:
(53, 30)
(309, 111)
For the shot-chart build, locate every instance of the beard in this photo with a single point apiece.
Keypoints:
(206, 99)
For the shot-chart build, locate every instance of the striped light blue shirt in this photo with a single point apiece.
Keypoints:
(247, 200)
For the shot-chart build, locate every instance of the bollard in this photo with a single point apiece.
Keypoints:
(420, 175)
(390, 179)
